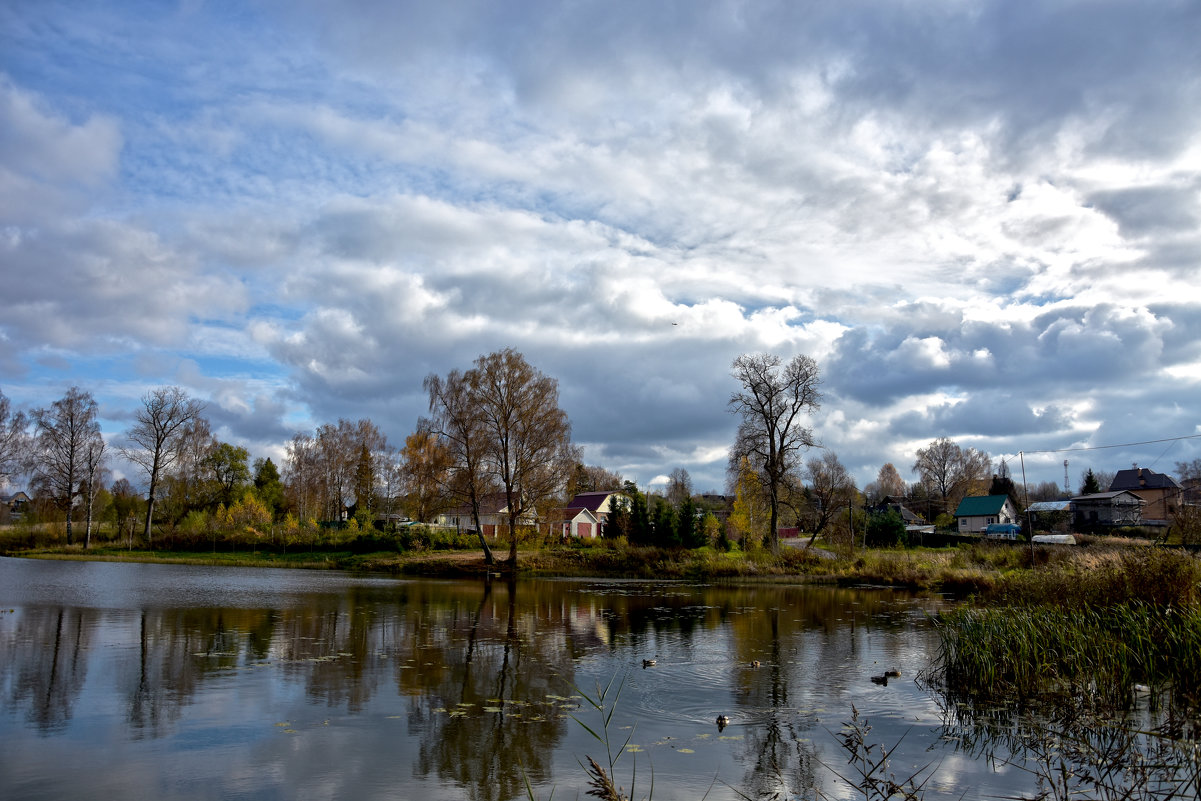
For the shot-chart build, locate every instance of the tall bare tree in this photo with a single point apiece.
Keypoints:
(950, 470)
(528, 444)
(457, 422)
(14, 440)
(66, 440)
(773, 400)
(94, 458)
(166, 412)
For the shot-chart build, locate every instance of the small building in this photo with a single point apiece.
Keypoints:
(977, 512)
(581, 523)
(15, 504)
(1107, 510)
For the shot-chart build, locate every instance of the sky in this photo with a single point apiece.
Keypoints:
(982, 218)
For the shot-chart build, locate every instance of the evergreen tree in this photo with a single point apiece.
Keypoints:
(618, 522)
(665, 535)
(1091, 484)
(688, 529)
(641, 531)
(885, 530)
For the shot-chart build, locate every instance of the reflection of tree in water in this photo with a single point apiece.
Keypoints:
(491, 682)
(177, 649)
(778, 758)
(46, 655)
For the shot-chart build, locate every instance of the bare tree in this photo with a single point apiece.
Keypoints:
(14, 440)
(166, 412)
(679, 487)
(67, 433)
(457, 423)
(889, 482)
(830, 491)
(301, 473)
(592, 478)
(772, 402)
(528, 444)
(94, 459)
(950, 470)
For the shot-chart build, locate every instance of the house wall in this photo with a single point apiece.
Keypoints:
(1161, 503)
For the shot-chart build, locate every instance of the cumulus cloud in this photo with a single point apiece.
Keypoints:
(980, 219)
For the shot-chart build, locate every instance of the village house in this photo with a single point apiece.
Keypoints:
(1161, 492)
(977, 512)
(494, 516)
(585, 515)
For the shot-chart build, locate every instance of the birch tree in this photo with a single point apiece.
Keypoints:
(14, 440)
(66, 451)
(166, 412)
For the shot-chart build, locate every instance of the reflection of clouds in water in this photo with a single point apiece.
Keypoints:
(340, 686)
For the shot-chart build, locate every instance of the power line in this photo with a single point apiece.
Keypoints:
(1124, 445)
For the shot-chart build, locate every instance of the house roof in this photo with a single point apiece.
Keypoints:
(979, 505)
(571, 513)
(1050, 506)
(1137, 478)
(589, 500)
(1098, 497)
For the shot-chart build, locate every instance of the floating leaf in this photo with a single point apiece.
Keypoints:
(686, 751)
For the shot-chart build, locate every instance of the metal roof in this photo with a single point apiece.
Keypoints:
(1050, 506)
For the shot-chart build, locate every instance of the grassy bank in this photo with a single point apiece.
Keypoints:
(999, 573)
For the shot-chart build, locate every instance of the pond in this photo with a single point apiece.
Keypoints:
(142, 681)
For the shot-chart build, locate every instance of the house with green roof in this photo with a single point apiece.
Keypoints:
(974, 514)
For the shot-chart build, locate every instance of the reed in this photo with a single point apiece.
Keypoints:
(1100, 656)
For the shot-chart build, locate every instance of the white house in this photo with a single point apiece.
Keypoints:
(979, 511)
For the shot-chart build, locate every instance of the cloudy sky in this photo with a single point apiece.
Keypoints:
(981, 217)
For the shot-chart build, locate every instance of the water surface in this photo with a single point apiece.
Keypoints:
(179, 682)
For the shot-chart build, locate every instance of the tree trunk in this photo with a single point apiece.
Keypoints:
(149, 517)
(512, 542)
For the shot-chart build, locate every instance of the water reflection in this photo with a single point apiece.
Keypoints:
(224, 682)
